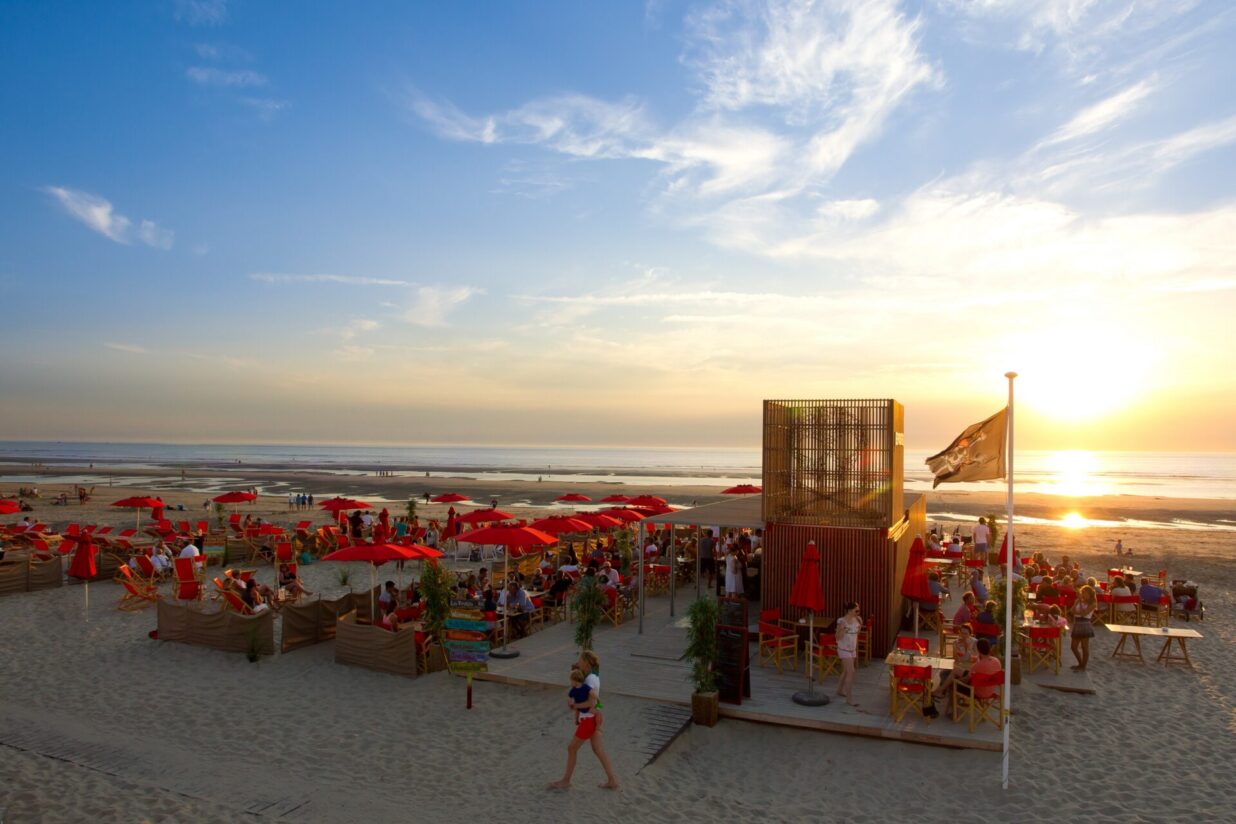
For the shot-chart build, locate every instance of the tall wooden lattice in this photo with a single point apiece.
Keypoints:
(833, 462)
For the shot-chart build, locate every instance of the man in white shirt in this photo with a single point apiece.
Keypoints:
(610, 574)
(982, 536)
(189, 550)
(367, 520)
(431, 537)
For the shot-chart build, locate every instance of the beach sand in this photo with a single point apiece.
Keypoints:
(101, 723)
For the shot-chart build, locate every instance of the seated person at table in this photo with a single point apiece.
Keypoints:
(966, 612)
(538, 581)
(1124, 612)
(289, 582)
(965, 653)
(1149, 594)
(977, 586)
(984, 664)
(937, 589)
(517, 606)
(1064, 586)
(954, 548)
(389, 599)
(1047, 589)
(933, 542)
(610, 574)
(1055, 618)
(988, 614)
(558, 590)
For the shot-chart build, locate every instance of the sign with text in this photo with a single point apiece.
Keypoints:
(465, 637)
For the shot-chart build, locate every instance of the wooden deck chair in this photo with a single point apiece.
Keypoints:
(1159, 615)
(862, 647)
(1125, 616)
(909, 687)
(233, 525)
(148, 569)
(612, 610)
(185, 528)
(978, 710)
(137, 594)
(234, 602)
(1041, 646)
(932, 619)
(827, 660)
(777, 644)
(188, 580)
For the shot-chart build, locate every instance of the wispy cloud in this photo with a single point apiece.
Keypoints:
(202, 12)
(225, 78)
(266, 107)
(432, 305)
(100, 215)
(355, 327)
(131, 348)
(1099, 116)
(349, 280)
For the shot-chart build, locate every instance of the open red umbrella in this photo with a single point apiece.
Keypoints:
(373, 554)
(616, 498)
(647, 500)
(742, 489)
(597, 520)
(484, 516)
(650, 511)
(338, 504)
(515, 541)
(449, 498)
(9, 507)
(573, 498)
(914, 584)
(808, 593)
(139, 504)
(558, 524)
(624, 515)
(234, 497)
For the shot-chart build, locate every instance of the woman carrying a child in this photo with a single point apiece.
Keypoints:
(584, 700)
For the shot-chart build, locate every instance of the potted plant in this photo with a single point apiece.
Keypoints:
(436, 588)
(587, 607)
(1019, 609)
(624, 541)
(220, 514)
(993, 544)
(702, 652)
(411, 508)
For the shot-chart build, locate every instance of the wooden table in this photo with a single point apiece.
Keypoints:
(903, 658)
(1179, 635)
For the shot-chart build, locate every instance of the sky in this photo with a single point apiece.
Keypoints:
(616, 223)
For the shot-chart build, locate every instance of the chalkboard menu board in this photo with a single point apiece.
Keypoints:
(733, 664)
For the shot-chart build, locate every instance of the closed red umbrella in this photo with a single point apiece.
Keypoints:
(648, 500)
(83, 565)
(808, 593)
(573, 498)
(1004, 552)
(484, 516)
(742, 489)
(616, 498)
(914, 584)
(449, 498)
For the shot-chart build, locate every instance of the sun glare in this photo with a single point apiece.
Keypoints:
(1074, 520)
(1072, 472)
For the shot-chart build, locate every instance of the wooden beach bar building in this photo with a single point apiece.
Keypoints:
(834, 473)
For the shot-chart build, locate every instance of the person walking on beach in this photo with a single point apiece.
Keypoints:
(589, 664)
(1083, 627)
(848, 627)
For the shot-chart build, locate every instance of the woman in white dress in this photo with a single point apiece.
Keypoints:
(733, 572)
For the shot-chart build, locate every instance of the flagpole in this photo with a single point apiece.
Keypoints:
(1008, 590)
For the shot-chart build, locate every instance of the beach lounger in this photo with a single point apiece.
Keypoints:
(137, 594)
(235, 603)
(188, 580)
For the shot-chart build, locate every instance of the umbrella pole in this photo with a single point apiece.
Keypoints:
(639, 553)
(506, 616)
(916, 619)
(373, 604)
(809, 698)
(673, 569)
(87, 600)
(697, 563)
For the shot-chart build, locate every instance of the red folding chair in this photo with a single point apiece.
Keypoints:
(917, 645)
(909, 687)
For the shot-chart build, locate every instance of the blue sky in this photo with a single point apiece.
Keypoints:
(615, 223)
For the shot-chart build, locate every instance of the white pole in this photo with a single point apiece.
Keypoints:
(1008, 589)
(639, 554)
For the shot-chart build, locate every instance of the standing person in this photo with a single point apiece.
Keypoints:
(1119, 547)
(356, 523)
(384, 518)
(431, 535)
(311, 500)
(848, 627)
(733, 571)
(581, 700)
(1083, 627)
(589, 665)
(291, 502)
(982, 537)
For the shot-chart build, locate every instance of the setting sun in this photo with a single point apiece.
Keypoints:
(1074, 520)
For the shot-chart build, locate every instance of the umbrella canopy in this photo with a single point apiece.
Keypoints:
(1004, 552)
(421, 551)
(138, 503)
(914, 584)
(616, 498)
(649, 511)
(808, 591)
(558, 524)
(449, 498)
(484, 516)
(648, 500)
(743, 489)
(338, 504)
(624, 515)
(374, 553)
(573, 498)
(234, 498)
(9, 507)
(511, 537)
(597, 520)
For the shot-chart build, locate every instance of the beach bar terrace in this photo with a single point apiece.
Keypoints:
(833, 473)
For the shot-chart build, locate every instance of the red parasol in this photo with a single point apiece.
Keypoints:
(449, 498)
(9, 507)
(648, 500)
(83, 565)
(558, 524)
(516, 540)
(649, 511)
(598, 520)
(624, 515)
(808, 593)
(139, 504)
(742, 489)
(374, 554)
(484, 516)
(1004, 551)
(573, 498)
(338, 504)
(234, 497)
(914, 585)
(616, 498)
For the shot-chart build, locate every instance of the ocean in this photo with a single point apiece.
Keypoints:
(1069, 473)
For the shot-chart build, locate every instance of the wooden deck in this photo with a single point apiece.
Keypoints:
(650, 666)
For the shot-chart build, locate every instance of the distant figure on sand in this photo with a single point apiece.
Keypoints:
(587, 666)
(1119, 547)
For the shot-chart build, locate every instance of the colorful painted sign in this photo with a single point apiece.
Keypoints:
(466, 637)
